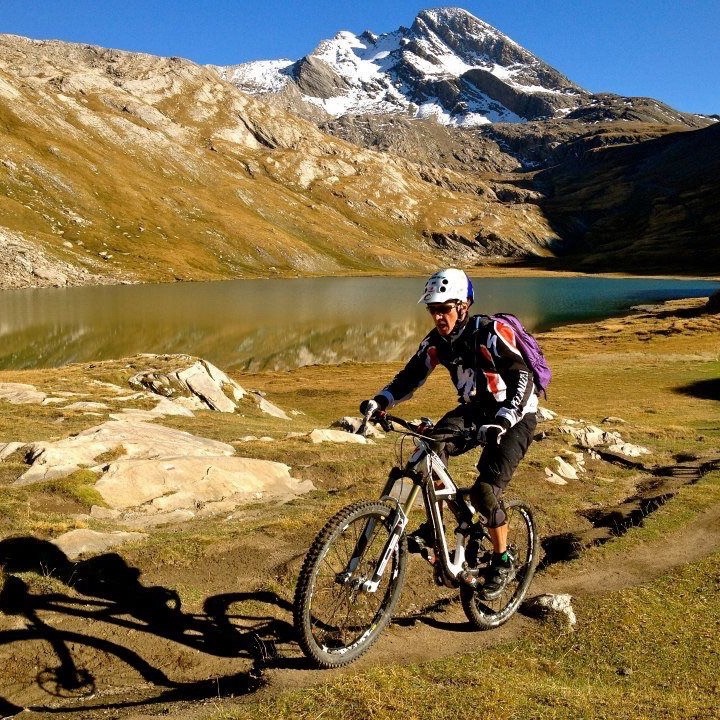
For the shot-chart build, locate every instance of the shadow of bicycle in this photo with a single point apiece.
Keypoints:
(106, 589)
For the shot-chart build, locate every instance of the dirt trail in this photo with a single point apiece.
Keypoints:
(447, 632)
(142, 669)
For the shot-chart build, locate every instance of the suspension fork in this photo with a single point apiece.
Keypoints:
(398, 521)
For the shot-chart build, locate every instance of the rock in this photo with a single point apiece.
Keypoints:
(564, 469)
(21, 394)
(554, 478)
(549, 606)
(136, 439)
(267, 407)
(628, 449)
(7, 449)
(103, 513)
(543, 414)
(588, 436)
(202, 386)
(209, 386)
(352, 425)
(50, 275)
(183, 482)
(163, 408)
(612, 420)
(337, 436)
(79, 542)
(86, 406)
(576, 459)
(189, 403)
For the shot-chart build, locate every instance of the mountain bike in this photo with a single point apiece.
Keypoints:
(354, 570)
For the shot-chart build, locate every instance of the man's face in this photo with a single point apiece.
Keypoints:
(445, 316)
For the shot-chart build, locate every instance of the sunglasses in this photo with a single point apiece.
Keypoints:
(445, 309)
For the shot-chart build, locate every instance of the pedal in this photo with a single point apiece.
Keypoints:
(470, 578)
(427, 553)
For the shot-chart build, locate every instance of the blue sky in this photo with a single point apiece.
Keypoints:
(665, 49)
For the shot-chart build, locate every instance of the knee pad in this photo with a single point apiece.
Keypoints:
(486, 497)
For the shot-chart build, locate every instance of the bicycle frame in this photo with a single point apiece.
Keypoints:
(429, 476)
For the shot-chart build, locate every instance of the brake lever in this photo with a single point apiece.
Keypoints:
(378, 416)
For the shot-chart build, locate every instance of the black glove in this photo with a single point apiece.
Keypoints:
(490, 434)
(378, 403)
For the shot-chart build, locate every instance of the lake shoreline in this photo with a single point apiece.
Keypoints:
(49, 280)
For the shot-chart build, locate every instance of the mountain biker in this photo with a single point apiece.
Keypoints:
(497, 404)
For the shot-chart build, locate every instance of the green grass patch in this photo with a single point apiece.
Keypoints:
(79, 486)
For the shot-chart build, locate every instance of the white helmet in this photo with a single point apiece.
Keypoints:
(446, 285)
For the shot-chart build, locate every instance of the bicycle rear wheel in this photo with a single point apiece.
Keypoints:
(337, 619)
(524, 547)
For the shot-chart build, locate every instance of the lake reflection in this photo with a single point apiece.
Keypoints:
(281, 324)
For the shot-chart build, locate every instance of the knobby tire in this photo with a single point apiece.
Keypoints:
(524, 542)
(335, 619)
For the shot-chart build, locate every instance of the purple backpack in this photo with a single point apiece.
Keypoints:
(531, 351)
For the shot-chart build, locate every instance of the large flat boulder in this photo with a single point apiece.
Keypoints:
(135, 439)
(21, 393)
(181, 482)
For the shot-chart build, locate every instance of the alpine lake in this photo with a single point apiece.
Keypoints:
(254, 325)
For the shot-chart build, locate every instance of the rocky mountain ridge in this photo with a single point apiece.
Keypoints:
(448, 66)
(125, 167)
(141, 168)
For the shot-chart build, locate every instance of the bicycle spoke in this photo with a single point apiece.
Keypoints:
(339, 618)
(523, 547)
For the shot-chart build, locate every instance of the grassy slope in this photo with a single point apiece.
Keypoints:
(637, 208)
(178, 175)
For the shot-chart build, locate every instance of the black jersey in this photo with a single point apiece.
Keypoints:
(485, 366)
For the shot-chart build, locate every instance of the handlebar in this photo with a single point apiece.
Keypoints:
(386, 422)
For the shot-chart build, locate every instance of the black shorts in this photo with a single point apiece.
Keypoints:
(497, 463)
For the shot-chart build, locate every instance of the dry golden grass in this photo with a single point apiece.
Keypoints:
(636, 651)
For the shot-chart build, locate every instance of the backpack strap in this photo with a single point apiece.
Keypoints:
(481, 321)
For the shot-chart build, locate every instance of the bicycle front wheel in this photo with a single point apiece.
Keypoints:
(337, 615)
(524, 548)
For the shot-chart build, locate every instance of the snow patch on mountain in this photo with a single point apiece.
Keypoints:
(448, 65)
(259, 76)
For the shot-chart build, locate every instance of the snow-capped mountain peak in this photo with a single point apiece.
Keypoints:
(448, 65)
